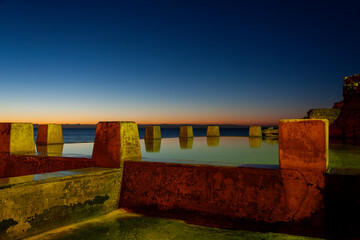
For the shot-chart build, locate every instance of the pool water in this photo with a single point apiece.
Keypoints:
(224, 151)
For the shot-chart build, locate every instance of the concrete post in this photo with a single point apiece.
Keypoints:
(49, 134)
(116, 142)
(152, 132)
(304, 144)
(186, 132)
(255, 131)
(213, 131)
(16, 138)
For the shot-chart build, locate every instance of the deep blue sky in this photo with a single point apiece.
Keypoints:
(242, 62)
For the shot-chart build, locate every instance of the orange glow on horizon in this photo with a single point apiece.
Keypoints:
(145, 122)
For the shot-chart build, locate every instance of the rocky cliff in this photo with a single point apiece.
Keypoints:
(347, 125)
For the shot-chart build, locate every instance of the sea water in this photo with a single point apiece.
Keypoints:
(85, 135)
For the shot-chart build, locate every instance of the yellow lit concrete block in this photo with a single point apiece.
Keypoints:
(255, 131)
(186, 132)
(304, 144)
(17, 138)
(152, 132)
(213, 131)
(49, 134)
(116, 142)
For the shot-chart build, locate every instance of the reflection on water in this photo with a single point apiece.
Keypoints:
(51, 150)
(213, 141)
(271, 140)
(344, 156)
(186, 143)
(152, 145)
(233, 151)
(255, 142)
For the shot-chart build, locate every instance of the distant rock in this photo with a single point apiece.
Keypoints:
(271, 133)
(330, 114)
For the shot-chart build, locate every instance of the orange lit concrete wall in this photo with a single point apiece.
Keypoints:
(193, 190)
(17, 165)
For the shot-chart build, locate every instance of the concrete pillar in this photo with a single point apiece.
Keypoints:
(213, 141)
(152, 132)
(186, 143)
(213, 131)
(16, 138)
(49, 134)
(255, 131)
(152, 145)
(186, 132)
(304, 144)
(116, 142)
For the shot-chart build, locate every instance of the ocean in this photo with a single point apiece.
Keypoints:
(86, 135)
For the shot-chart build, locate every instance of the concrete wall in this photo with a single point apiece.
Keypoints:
(18, 165)
(264, 195)
(33, 207)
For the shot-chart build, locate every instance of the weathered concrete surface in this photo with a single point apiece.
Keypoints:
(331, 114)
(49, 134)
(17, 138)
(187, 191)
(347, 125)
(213, 141)
(33, 207)
(152, 132)
(186, 132)
(304, 144)
(186, 143)
(213, 131)
(51, 150)
(255, 131)
(116, 142)
(19, 165)
(121, 224)
(152, 145)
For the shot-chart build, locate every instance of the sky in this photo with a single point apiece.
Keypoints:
(154, 62)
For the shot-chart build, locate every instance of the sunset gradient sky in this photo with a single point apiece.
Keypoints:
(236, 62)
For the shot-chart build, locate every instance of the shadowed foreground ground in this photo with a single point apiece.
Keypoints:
(120, 224)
